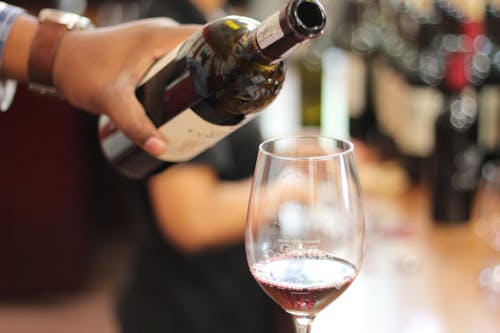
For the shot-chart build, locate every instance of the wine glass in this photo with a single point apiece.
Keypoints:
(305, 224)
(486, 216)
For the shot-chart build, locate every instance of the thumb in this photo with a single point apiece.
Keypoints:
(129, 117)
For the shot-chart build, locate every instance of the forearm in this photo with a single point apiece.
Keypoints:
(106, 64)
(17, 48)
(195, 210)
(226, 208)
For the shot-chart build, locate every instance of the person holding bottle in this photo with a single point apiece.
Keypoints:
(96, 70)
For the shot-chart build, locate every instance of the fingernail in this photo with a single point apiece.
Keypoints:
(155, 146)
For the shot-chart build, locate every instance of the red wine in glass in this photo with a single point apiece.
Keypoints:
(304, 282)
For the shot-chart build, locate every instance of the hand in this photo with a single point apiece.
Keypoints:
(98, 71)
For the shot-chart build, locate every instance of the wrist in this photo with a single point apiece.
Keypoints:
(53, 26)
(64, 59)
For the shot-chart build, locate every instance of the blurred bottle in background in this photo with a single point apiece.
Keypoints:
(310, 71)
(419, 63)
(358, 36)
(457, 158)
(309, 65)
(489, 96)
(389, 85)
(406, 76)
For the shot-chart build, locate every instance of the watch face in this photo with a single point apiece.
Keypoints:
(70, 20)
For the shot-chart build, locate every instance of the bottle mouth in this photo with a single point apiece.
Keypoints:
(310, 16)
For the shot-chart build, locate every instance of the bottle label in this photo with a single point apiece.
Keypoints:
(405, 112)
(389, 89)
(334, 94)
(113, 141)
(269, 31)
(489, 118)
(416, 136)
(188, 135)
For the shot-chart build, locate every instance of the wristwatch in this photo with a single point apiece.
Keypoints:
(53, 24)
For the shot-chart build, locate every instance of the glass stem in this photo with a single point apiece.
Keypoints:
(303, 324)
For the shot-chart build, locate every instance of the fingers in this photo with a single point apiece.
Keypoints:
(129, 117)
(121, 104)
(170, 36)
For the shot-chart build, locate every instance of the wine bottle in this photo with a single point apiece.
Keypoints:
(385, 81)
(456, 158)
(357, 35)
(489, 97)
(310, 70)
(212, 84)
(420, 65)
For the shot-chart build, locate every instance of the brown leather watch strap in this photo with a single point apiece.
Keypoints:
(43, 52)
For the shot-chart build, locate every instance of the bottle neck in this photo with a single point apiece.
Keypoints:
(283, 31)
(449, 16)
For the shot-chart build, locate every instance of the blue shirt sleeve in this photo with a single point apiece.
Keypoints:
(8, 14)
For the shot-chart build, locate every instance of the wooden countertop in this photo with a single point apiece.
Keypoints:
(417, 276)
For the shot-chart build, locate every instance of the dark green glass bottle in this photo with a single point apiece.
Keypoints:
(212, 84)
